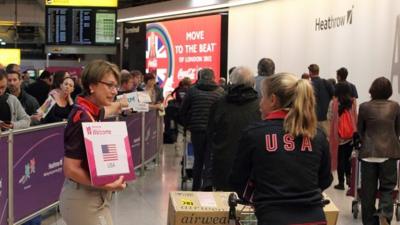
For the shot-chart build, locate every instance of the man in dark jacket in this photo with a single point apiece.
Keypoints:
(195, 110)
(323, 91)
(228, 117)
(41, 88)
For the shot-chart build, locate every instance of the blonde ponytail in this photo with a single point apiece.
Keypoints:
(301, 119)
(297, 96)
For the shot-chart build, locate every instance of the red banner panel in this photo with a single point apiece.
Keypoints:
(179, 48)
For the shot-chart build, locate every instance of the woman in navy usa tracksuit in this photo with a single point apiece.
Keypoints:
(285, 156)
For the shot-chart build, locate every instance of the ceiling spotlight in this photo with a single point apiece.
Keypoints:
(118, 38)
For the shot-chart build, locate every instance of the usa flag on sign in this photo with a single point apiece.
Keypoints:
(109, 152)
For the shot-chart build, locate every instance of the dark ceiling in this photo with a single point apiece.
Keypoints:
(133, 3)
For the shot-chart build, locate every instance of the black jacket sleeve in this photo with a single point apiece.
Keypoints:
(185, 108)
(242, 167)
(325, 175)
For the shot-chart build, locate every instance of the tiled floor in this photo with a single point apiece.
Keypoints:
(145, 201)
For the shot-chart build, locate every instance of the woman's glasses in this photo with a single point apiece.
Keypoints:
(110, 85)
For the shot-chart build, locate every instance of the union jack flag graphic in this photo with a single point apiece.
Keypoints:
(109, 152)
(157, 57)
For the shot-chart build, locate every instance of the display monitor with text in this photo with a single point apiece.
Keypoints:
(105, 27)
(80, 26)
(57, 25)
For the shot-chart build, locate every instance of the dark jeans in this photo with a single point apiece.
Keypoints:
(199, 140)
(344, 165)
(371, 173)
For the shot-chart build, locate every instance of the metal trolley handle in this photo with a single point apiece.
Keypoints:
(233, 201)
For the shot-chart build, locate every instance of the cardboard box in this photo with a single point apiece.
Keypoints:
(201, 208)
(197, 208)
(331, 212)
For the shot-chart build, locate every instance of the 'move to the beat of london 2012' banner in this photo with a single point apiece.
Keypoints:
(179, 48)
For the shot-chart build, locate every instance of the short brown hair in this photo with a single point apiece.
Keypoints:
(186, 81)
(136, 73)
(381, 88)
(313, 68)
(265, 67)
(95, 71)
(15, 72)
(125, 76)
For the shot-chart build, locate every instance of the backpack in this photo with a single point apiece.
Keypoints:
(345, 125)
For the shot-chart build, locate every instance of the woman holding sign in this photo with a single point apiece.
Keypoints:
(80, 202)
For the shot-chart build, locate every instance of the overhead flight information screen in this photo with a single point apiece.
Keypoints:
(105, 27)
(57, 25)
(80, 26)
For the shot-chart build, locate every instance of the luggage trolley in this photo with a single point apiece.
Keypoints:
(187, 158)
(247, 216)
(355, 188)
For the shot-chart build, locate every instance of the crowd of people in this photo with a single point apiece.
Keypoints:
(50, 98)
(244, 133)
(269, 137)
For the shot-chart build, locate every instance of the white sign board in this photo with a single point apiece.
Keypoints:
(108, 151)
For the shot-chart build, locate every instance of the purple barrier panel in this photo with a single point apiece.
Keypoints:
(38, 170)
(3, 180)
(150, 141)
(134, 125)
